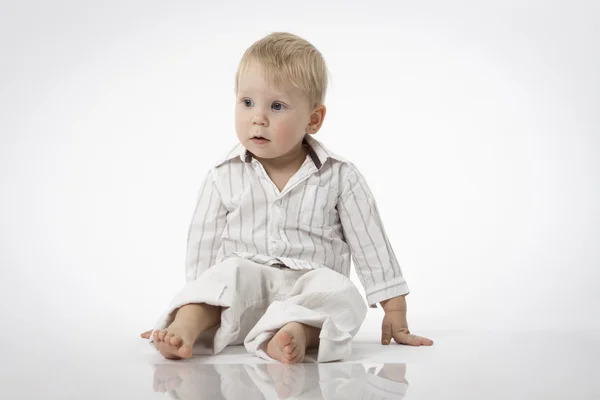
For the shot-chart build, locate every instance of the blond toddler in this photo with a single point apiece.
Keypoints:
(277, 222)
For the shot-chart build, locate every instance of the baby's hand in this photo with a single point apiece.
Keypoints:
(395, 326)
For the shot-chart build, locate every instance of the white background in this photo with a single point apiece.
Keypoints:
(476, 124)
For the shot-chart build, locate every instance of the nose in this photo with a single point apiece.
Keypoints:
(259, 119)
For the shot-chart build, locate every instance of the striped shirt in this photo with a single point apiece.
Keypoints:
(324, 217)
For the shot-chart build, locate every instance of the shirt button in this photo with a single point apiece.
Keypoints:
(277, 203)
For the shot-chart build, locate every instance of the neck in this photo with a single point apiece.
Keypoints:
(291, 160)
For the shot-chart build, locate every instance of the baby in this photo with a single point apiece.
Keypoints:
(276, 225)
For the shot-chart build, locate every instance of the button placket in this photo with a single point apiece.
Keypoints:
(273, 227)
(276, 234)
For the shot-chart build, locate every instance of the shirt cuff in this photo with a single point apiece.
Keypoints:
(387, 290)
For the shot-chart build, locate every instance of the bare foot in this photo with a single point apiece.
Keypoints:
(176, 341)
(290, 343)
(191, 320)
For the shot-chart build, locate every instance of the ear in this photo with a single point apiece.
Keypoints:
(316, 119)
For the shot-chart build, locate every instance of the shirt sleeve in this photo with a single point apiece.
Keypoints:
(206, 228)
(374, 259)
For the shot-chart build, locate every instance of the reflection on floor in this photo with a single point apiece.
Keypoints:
(199, 381)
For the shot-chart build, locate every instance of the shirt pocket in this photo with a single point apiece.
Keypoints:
(316, 205)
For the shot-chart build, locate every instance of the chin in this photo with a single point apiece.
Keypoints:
(262, 153)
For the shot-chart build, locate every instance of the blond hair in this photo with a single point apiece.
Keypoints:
(285, 57)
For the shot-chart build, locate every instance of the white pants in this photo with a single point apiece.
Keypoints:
(258, 300)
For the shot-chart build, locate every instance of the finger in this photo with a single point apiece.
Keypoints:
(386, 333)
(406, 338)
(146, 335)
(423, 341)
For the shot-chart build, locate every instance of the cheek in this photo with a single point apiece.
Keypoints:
(288, 128)
(241, 120)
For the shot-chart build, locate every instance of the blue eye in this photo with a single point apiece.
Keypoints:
(247, 102)
(277, 106)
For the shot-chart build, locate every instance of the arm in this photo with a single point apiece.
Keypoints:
(374, 259)
(206, 228)
(375, 262)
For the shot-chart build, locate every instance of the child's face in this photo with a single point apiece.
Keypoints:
(270, 121)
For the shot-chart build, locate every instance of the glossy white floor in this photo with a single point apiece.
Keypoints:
(461, 365)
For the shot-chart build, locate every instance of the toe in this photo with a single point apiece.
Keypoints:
(175, 340)
(185, 351)
(295, 353)
(162, 333)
